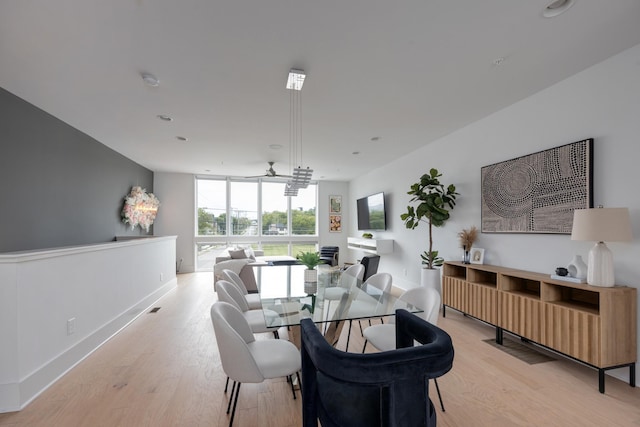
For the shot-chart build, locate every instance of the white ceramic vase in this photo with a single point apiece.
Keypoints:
(577, 268)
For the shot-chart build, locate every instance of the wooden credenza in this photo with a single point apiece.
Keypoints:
(591, 324)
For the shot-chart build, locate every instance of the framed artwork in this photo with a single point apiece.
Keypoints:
(335, 204)
(538, 193)
(476, 256)
(335, 223)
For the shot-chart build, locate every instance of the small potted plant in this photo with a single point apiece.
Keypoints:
(311, 261)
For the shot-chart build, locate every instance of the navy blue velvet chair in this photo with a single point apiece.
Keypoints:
(389, 388)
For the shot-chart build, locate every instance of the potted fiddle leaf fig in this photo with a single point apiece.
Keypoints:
(431, 202)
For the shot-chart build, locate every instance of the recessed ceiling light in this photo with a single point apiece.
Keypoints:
(275, 146)
(181, 138)
(498, 61)
(557, 7)
(375, 138)
(150, 79)
(355, 153)
(164, 117)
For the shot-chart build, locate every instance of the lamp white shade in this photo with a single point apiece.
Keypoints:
(600, 225)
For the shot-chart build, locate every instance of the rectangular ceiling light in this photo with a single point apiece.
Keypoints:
(290, 190)
(296, 79)
(301, 177)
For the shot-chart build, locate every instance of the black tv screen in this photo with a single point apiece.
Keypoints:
(371, 212)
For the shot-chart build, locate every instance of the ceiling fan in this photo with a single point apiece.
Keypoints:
(270, 173)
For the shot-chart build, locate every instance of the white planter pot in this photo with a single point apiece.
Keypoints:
(310, 276)
(310, 281)
(310, 288)
(430, 278)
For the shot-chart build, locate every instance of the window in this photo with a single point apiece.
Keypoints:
(303, 211)
(212, 207)
(298, 247)
(275, 218)
(244, 208)
(242, 213)
(206, 254)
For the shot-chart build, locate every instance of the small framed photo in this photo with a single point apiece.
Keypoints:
(335, 223)
(335, 204)
(476, 256)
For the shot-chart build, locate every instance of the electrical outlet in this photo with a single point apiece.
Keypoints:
(71, 326)
(161, 277)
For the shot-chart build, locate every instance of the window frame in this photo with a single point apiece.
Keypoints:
(259, 239)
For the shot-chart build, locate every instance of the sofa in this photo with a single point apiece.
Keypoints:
(242, 261)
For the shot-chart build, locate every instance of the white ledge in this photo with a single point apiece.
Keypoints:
(36, 254)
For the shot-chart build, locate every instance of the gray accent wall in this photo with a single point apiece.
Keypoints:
(58, 186)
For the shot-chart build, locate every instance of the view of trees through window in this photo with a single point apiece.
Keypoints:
(243, 208)
(255, 213)
(212, 207)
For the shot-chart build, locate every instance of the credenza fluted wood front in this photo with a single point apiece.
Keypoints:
(594, 325)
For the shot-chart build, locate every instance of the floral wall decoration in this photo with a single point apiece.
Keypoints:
(140, 208)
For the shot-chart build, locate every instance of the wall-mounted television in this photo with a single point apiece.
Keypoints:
(371, 212)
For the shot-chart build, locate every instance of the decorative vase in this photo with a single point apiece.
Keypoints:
(577, 268)
(310, 281)
(430, 278)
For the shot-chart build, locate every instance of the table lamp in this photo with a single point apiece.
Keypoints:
(600, 225)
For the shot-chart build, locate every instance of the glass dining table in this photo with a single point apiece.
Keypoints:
(287, 299)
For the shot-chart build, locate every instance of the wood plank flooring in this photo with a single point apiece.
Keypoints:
(164, 370)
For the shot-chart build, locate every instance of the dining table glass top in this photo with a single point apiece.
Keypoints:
(287, 299)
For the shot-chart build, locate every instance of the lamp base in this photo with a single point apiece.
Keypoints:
(600, 266)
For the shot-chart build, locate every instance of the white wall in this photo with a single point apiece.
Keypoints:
(602, 102)
(325, 237)
(176, 216)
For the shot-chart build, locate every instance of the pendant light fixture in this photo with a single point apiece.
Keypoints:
(300, 176)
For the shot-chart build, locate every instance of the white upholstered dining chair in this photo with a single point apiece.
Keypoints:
(349, 278)
(228, 292)
(368, 303)
(247, 360)
(383, 336)
(253, 299)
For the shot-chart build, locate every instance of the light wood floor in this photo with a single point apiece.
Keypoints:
(164, 370)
